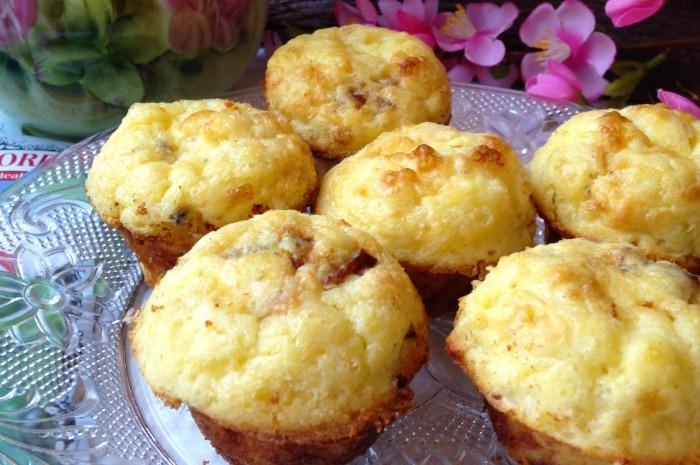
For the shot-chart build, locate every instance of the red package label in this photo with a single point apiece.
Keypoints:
(16, 163)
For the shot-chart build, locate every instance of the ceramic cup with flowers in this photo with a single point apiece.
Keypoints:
(71, 68)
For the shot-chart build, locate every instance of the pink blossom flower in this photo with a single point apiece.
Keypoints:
(459, 69)
(567, 35)
(202, 24)
(559, 82)
(363, 13)
(475, 30)
(502, 75)
(678, 102)
(16, 17)
(626, 12)
(413, 16)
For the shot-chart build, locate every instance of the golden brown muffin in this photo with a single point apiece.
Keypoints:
(291, 337)
(341, 87)
(446, 203)
(587, 353)
(627, 175)
(172, 172)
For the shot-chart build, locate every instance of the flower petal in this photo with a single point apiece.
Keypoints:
(389, 9)
(560, 69)
(551, 86)
(626, 12)
(415, 27)
(409, 23)
(494, 76)
(592, 84)
(445, 41)
(431, 11)
(348, 14)
(368, 11)
(491, 19)
(425, 12)
(678, 102)
(577, 20)
(531, 66)
(484, 51)
(542, 22)
(427, 38)
(459, 70)
(599, 51)
(455, 26)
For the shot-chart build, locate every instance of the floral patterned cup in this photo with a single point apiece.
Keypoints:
(70, 69)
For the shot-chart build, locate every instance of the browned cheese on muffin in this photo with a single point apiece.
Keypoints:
(289, 336)
(341, 87)
(441, 200)
(587, 353)
(627, 175)
(172, 172)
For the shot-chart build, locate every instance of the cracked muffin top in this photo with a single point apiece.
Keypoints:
(438, 198)
(286, 321)
(341, 87)
(189, 167)
(591, 344)
(629, 175)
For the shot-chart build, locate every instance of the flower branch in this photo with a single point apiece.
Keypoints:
(561, 53)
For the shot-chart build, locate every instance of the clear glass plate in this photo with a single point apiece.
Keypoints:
(71, 393)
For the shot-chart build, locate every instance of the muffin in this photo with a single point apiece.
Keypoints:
(291, 337)
(586, 353)
(445, 203)
(171, 172)
(341, 87)
(627, 175)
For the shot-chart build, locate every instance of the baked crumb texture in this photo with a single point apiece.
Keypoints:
(172, 172)
(341, 87)
(629, 175)
(446, 203)
(587, 353)
(291, 337)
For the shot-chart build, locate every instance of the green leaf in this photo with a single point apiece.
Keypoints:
(629, 75)
(114, 82)
(499, 71)
(102, 15)
(141, 38)
(63, 64)
(76, 17)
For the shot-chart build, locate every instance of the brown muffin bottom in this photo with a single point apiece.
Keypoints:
(327, 445)
(441, 291)
(156, 255)
(529, 447)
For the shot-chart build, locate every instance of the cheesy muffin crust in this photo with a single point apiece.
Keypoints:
(440, 200)
(172, 172)
(285, 332)
(341, 87)
(587, 353)
(627, 175)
